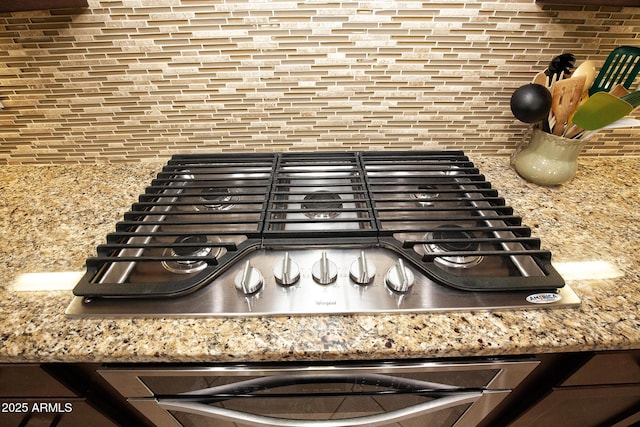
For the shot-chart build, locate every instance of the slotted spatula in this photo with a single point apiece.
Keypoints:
(565, 97)
(621, 66)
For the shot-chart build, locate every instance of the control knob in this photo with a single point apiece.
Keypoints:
(362, 271)
(249, 280)
(399, 278)
(287, 272)
(324, 271)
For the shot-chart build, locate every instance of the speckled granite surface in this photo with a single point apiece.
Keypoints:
(52, 217)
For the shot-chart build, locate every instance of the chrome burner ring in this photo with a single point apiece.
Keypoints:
(453, 261)
(425, 198)
(190, 266)
(224, 199)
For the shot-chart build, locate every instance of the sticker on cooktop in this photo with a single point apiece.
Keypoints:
(544, 298)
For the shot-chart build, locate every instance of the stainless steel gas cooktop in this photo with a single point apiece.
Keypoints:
(313, 233)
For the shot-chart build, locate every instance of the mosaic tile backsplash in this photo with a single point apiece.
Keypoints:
(125, 80)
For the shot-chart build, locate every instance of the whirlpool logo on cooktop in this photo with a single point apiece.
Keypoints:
(326, 302)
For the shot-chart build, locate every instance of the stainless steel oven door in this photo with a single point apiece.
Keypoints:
(382, 394)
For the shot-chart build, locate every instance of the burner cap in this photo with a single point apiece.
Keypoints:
(189, 266)
(219, 199)
(322, 204)
(465, 243)
(425, 196)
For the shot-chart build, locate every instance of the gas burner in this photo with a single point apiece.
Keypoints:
(217, 199)
(444, 247)
(322, 204)
(191, 265)
(425, 196)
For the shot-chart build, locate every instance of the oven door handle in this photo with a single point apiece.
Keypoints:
(214, 412)
(264, 383)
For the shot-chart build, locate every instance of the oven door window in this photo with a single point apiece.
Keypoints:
(323, 400)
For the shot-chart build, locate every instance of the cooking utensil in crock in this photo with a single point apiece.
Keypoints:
(541, 79)
(632, 98)
(621, 66)
(553, 79)
(588, 70)
(625, 122)
(619, 90)
(565, 98)
(600, 110)
(561, 65)
(531, 103)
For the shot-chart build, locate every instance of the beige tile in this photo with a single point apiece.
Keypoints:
(126, 80)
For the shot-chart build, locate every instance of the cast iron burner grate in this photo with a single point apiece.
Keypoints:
(319, 199)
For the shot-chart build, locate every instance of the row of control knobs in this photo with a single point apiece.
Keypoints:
(324, 271)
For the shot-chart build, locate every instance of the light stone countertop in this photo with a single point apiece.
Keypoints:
(52, 217)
